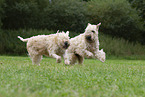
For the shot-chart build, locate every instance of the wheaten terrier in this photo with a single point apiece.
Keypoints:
(86, 44)
(53, 45)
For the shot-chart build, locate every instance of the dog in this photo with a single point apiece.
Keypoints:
(53, 45)
(86, 44)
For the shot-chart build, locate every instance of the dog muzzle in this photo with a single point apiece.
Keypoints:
(89, 38)
(66, 45)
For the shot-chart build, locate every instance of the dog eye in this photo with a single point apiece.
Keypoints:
(93, 31)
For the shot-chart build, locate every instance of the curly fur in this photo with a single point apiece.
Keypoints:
(86, 44)
(53, 45)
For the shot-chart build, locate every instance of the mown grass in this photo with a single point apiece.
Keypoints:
(114, 78)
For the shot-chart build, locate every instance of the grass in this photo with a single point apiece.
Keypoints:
(123, 78)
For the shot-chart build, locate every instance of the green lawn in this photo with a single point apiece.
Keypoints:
(114, 78)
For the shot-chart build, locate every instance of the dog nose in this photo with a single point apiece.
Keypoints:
(66, 43)
(88, 37)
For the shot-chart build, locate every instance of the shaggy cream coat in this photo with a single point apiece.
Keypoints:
(86, 44)
(53, 45)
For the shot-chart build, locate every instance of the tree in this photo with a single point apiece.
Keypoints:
(118, 18)
(140, 7)
(1, 12)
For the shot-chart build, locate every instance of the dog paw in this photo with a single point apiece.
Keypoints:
(67, 63)
(58, 60)
(90, 54)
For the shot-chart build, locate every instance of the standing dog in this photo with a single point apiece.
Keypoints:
(86, 44)
(53, 45)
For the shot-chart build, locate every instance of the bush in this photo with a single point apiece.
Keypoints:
(117, 18)
(1, 12)
(66, 15)
(59, 14)
(20, 14)
(120, 47)
(140, 7)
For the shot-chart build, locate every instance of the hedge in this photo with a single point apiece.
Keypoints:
(59, 14)
(118, 18)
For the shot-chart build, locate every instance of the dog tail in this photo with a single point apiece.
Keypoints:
(24, 40)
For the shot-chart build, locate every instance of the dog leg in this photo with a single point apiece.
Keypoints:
(100, 55)
(66, 59)
(80, 59)
(89, 54)
(58, 58)
(70, 59)
(36, 59)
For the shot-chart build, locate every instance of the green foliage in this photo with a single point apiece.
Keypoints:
(62, 15)
(140, 6)
(120, 47)
(114, 78)
(66, 15)
(1, 12)
(117, 18)
(20, 14)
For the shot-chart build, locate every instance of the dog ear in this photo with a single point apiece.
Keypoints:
(62, 32)
(98, 25)
(67, 33)
(57, 31)
(89, 24)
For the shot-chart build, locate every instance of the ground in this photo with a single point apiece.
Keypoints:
(19, 78)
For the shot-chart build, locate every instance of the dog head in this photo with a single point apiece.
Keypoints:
(91, 32)
(63, 39)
